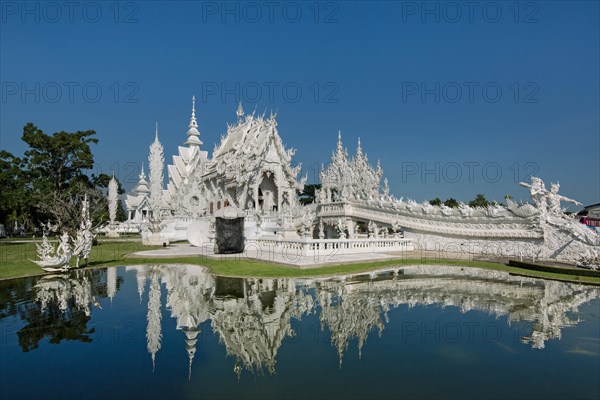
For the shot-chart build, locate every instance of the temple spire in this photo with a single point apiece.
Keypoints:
(193, 134)
(340, 146)
(154, 316)
(191, 335)
(240, 112)
(156, 161)
(193, 119)
(142, 186)
(156, 132)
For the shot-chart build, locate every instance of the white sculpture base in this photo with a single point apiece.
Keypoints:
(112, 234)
(198, 233)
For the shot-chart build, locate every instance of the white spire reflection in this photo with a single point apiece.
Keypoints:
(253, 317)
(154, 329)
(111, 283)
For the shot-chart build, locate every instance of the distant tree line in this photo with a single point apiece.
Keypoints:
(478, 201)
(308, 195)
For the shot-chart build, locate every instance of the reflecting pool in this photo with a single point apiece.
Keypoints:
(175, 331)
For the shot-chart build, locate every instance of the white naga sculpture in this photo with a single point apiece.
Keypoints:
(59, 259)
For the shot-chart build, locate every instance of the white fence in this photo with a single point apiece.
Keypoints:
(311, 247)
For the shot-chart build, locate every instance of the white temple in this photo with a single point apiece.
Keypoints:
(354, 212)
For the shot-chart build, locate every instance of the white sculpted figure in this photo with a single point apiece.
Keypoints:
(465, 210)
(60, 260)
(372, 228)
(269, 200)
(84, 238)
(322, 195)
(64, 247)
(82, 246)
(285, 202)
(546, 200)
(45, 250)
(537, 191)
(321, 229)
(386, 190)
(341, 227)
(411, 205)
(553, 198)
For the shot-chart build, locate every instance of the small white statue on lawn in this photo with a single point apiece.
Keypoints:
(60, 260)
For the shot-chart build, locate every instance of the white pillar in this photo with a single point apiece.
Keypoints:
(256, 197)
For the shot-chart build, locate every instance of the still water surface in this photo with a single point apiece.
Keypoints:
(413, 332)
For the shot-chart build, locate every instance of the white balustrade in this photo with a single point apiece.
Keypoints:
(310, 247)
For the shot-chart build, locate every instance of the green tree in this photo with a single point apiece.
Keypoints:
(57, 161)
(308, 196)
(56, 325)
(435, 202)
(452, 203)
(48, 183)
(479, 201)
(15, 198)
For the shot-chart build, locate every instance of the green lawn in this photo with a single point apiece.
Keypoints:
(15, 262)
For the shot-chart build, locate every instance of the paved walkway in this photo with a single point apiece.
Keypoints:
(187, 251)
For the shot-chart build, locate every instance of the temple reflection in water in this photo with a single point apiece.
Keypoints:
(252, 317)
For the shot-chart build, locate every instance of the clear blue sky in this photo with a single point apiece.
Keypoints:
(389, 73)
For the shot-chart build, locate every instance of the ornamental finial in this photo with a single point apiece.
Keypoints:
(193, 134)
(240, 111)
(340, 146)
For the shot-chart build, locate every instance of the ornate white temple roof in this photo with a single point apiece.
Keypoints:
(187, 160)
(351, 178)
(193, 133)
(250, 147)
(142, 186)
(140, 193)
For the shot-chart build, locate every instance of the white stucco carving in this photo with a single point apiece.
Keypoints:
(59, 259)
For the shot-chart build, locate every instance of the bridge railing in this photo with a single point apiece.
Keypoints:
(310, 247)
